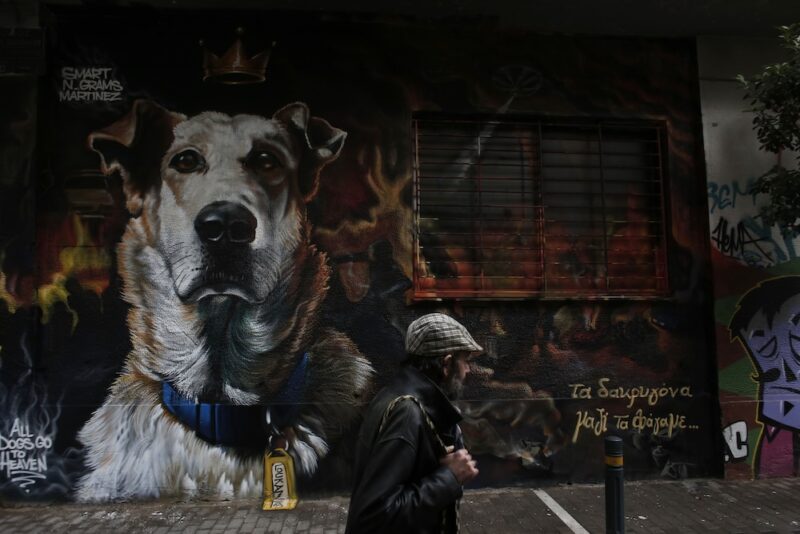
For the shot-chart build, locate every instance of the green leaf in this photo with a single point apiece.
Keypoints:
(774, 97)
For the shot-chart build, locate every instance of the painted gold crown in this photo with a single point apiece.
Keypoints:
(235, 67)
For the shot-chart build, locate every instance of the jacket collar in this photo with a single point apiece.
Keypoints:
(441, 411)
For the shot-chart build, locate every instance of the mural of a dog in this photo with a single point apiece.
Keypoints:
(224, 287)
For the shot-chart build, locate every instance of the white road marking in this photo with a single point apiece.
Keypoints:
(562, 514)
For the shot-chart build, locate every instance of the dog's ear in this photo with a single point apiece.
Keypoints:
(135, 145)
(321, 142)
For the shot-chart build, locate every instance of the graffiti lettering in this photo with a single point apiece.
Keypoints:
(622, 421)
(581, 391)
(736, 448)
(734, 241)
(89, 84)
(765, 233)
(597, 423)
(656, 424)
(74, 73)
(721, 196)
(651, 395)
(738, 231)
(23, 454)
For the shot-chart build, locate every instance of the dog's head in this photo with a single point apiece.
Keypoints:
(228, 193)
(219, 212)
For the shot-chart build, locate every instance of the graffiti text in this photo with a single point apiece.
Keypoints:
(735, 240)
(736, 448)
(90, 84)
(721, 196)
(597, 422)
(652, 395)
(23, 454)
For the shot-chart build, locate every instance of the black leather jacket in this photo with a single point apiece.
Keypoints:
(399, 485)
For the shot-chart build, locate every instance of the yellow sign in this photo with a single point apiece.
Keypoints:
(280, 491)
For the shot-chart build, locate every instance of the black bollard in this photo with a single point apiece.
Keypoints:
(615, 498)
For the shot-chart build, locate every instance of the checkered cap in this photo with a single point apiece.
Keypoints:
(436, 334)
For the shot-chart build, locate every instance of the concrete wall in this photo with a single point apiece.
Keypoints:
(748, 258)
(85, 406)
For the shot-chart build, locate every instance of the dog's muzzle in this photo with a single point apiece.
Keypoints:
(226, 231)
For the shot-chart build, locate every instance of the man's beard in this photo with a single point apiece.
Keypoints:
(453, 387)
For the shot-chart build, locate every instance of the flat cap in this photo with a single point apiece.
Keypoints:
(436, 334)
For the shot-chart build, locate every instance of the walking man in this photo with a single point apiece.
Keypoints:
(410, 459)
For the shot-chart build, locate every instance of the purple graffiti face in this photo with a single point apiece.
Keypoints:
(775, 351)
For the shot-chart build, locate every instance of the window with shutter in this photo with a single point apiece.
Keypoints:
(547, 207)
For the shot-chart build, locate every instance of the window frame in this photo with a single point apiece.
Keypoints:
(538, 121)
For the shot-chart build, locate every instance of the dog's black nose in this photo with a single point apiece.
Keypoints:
(225, 222)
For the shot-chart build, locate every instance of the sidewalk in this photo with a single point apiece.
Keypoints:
(764, 506)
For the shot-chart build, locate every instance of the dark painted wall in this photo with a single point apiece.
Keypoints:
(557, 374)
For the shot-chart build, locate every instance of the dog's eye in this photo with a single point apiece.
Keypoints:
(187, 161)
(261, 161)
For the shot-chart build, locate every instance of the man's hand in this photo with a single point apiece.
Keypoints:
(461, 464)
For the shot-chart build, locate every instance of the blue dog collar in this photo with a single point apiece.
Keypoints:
(232, 425)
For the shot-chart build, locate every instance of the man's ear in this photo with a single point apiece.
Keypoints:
(321, 144)
(447, 365)
(134, 145)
